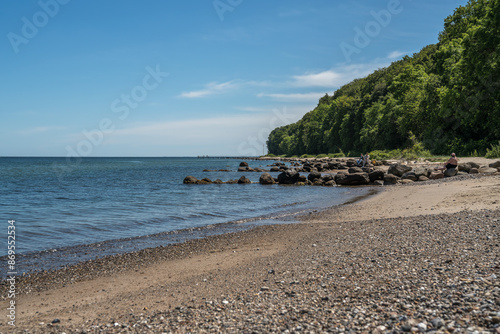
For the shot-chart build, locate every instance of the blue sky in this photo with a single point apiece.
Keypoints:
(187, 78)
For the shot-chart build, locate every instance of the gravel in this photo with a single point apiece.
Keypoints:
(432, 273)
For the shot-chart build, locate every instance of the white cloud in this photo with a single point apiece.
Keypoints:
(211, 88)
(396, 54)
(322, 79)
(338, 76)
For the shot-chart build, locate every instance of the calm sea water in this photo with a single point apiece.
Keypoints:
(112, 203)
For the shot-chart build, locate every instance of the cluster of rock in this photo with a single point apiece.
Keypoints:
(245, 168)
(332, 172)
(193, 180)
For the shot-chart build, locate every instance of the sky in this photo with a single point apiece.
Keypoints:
(186, 78)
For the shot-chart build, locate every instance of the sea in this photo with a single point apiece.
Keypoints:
(69, 210)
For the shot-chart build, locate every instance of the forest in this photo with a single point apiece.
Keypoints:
(445, 98)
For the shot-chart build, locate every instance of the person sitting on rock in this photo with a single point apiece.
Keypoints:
(451, 163)
(359, 162)
(366, 159)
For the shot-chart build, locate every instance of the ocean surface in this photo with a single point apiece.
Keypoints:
(67, 211)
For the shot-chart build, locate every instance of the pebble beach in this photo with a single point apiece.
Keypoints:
(411, 258)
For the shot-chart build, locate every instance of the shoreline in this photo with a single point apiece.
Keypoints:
(203, 278)
(55, 259)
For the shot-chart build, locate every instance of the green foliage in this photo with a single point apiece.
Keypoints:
(494, 152)
(445, 98)
(385, 155)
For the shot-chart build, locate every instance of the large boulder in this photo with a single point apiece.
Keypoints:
(450, 172)
(398, 169)
(390, 179)
(351, 163)
(317, 182)
(242, 169)
(243, 164)
(330, 183)
(333, 165)
(353, 179)
(266, 178)
(275, 169)
(205, 180)
(421, 171)
(436, 175)
(328, 177)
(467, 166)
(377, 174)
(314, 175)
(487, 170)
(355, 169)
(290, 176)
(190, 180)
(244, 180)
(409, 176)
(495, 164)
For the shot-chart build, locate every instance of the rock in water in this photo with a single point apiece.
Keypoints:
(313, 176)
(266, 178)
(190, 180)
(354, 179)
(244, 180)
(290, 176)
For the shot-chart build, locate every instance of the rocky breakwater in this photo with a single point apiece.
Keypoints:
(194, 180)
(345, 172)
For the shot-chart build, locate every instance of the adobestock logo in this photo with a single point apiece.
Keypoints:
(223, 6)
(30, 28)
(372, 29)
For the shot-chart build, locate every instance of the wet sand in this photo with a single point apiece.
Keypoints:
(411, 257)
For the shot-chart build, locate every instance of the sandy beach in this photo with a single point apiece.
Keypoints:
(417, 257)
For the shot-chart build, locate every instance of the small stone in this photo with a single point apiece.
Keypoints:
(264, 288)
(437, 323)
(422, 327)
(56, 321)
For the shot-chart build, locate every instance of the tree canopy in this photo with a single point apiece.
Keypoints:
(446, 96)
